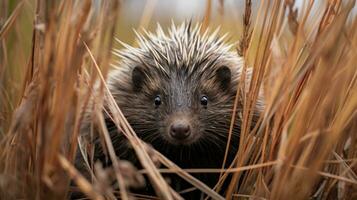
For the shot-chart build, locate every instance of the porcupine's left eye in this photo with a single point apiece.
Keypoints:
(157, 100)
(204, 100)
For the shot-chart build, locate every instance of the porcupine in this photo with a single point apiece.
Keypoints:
(177, 91)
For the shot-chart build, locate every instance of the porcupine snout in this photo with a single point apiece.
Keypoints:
(180, 129)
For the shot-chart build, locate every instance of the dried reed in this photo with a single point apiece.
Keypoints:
(304, 62)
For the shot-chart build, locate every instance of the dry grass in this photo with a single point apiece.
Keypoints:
(304, 61)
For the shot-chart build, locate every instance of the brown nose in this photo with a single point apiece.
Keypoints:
(180, 130)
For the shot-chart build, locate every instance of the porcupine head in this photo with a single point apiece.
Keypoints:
(177, 91)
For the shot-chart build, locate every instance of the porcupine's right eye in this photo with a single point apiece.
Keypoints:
(157, 100)
(204, 100)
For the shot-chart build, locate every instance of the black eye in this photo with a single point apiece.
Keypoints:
(204, 100)
(157, 100)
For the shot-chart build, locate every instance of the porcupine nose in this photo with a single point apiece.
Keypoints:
(180, 130)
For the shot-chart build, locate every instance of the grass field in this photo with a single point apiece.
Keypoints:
(304, 60)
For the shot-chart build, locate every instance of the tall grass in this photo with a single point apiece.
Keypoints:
(304, 62)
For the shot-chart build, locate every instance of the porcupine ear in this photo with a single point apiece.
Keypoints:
(224, 76)
(138, 77)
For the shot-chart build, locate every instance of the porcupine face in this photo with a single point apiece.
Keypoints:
(177, 90)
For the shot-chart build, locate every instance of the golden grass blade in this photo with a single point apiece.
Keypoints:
(85, 186)
(10, 21)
